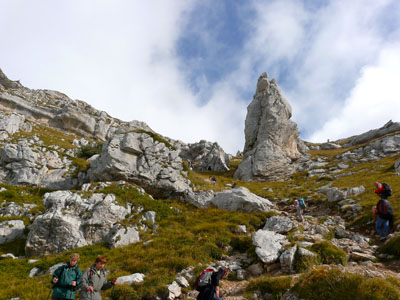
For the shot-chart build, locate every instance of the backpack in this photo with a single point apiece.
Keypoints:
(387, 190)
(385, 210)
(302, 203)
(204, 278)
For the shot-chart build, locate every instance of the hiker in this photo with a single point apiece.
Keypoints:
(66, 279)
(383, 213)
(299, 205)
(208, 283)
(190, 164)
(94, 280)
(213, 180)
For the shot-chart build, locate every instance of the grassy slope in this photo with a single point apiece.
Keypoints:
(188, 236)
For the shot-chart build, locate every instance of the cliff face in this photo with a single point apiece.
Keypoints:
(272, 148)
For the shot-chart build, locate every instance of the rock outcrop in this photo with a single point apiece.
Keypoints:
(59, 111)
(70, 222)
(138, 157)
(389, 127)
(206, 156)
(241, 199)
(272, 149)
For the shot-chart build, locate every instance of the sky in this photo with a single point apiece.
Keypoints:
(189, 68)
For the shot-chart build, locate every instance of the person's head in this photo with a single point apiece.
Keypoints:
(379, 188)
(100, 262)
(224, 271)
(74, 259)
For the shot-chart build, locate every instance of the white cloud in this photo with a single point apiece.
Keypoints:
(121, 58)
(373, 101)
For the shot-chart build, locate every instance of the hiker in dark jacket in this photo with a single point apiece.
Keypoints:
(66, 279)
(94, 280)
(211, 291)
(383, 213)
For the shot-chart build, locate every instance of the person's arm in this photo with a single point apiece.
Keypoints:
(77, 279)
(84, 280)
(217, 292)
(56, 275)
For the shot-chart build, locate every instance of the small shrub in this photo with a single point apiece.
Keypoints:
(124, 292)
(89, 150)
(329, 253)
(276, 286)
(391, 247)
(242, 244)
(322, 283)
(304, 263)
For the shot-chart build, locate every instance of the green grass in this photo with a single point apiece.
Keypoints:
(276, 286)
(321, 283)
(391, 247)
(183, 239)
(329, 254)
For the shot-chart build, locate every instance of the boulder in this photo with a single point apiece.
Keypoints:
(287, 260)
(206, 156)
(389, 127)
(11, 230)
(334, 194)
(355, 191)
(29, 165)
(279, 224)
(120, 236)
(200, 198)
(130, 279)
(269, 245)
(241, 199)
(304, 252)
(11, 123)
(272, 148)
(140, 158)
(71, 222)
(329, 146)
(174, 290)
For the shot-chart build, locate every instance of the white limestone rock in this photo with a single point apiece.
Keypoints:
(70, 222)
(122, 236)
(11, 230)
(174, 291)
(200, 198)
(272, 149)
(130, 279)
(137, 157)
(287, 260)
(279, 224)
(206, 156)
(269, 245)
(241, 199)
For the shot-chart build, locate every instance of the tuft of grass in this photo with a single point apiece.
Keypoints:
(329, 254)
(391, 247)
(157, 138)
(88, 151)
(332, 284)
(276, 286)
(305, 263)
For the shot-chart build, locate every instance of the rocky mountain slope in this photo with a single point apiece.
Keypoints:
(73, 178)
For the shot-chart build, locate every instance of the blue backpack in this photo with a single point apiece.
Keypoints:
(302, 203)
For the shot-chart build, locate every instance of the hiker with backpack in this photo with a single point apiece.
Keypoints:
(208, 283)
(94, 279)
(300, 205)
(66, 279)
(383, 213)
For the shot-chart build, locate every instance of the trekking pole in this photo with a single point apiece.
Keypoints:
(48, 296)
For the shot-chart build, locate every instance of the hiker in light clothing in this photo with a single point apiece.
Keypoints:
(299, 210)
(94, 280)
